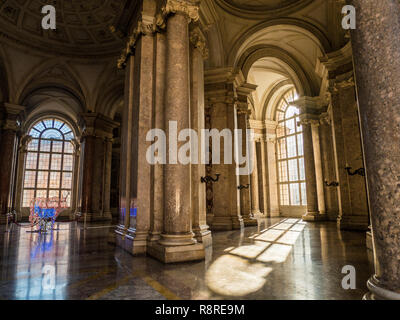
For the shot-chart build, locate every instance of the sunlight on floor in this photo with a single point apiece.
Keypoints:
(244, 269)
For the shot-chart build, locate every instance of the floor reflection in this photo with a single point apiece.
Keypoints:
(289, 259)
(243, 270)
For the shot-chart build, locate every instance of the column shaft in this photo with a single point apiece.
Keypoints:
(255, 198)
(311, 181)
(177, 214)
(376, 48)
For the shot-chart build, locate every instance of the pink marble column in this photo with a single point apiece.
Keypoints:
(177, 241)
(8, 147)
(376, 49)
(96, 180)
(199, 52)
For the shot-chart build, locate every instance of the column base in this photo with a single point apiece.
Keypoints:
(249, 222)
(377, 292)
(222, 223)
(237, 223)
(314, 217)
(275, 213)
(130, 241)
(154, 236)
(353, 223)
(203, 235)
(173, 254)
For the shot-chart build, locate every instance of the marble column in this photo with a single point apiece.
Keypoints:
(318, 166)
(310, 109)
(8, 147)
(137, 174)
(264, 170)
(376, 49)
(311, 181)
(254, 187)
(221, 97)
(96, 180)
(157, 214)
(273, 195)
(328, 166)
(177, 241)
(199, 52)
(351, 195)
(244, 180)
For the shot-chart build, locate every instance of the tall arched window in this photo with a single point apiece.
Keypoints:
(49, 162)
(292, 184)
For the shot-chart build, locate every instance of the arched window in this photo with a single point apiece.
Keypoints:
(49, 162)
(292, 184)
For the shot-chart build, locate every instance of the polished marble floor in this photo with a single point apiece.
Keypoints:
(288, 259)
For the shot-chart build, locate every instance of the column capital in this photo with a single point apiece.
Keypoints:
(146, 25)
(310, 105)
(190, 8)
(98, 125)
(198, 40)
(14, 115)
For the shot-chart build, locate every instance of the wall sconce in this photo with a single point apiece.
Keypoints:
(332, 184)
(241, 187)
(207, 179)
(360, 172)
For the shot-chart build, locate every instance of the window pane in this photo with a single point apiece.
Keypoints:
(303, 194)
(48, 123)
(290, 127)
(65, 129)
(52, 134)
(39, 127)
(282, 149)
(30, 177)
(294, 194)
(33, 145)
(66, 195)
(27, 198)
(54, 194)
(55, 180)
(68, 147)
(291, 112)
(280, 131)
(292, 147)
(67, 180)
(293, 171)
(41, 194)
(31, 159)
(45, 145)
(43, 177)
(56, 161)
(44, 161)
(300, 146)
(284, 195)
(283, 171)
(57, 146)
(68, 160)
(301, 167)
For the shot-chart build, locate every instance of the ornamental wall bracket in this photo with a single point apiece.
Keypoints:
(360, 172)
(209, 179)
(241, 187)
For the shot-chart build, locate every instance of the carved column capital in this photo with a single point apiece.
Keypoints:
(198, 40)
(188, 8)
(146, 25)
(14, 117)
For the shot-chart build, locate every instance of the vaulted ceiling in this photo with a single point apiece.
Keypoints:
(83, 26)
